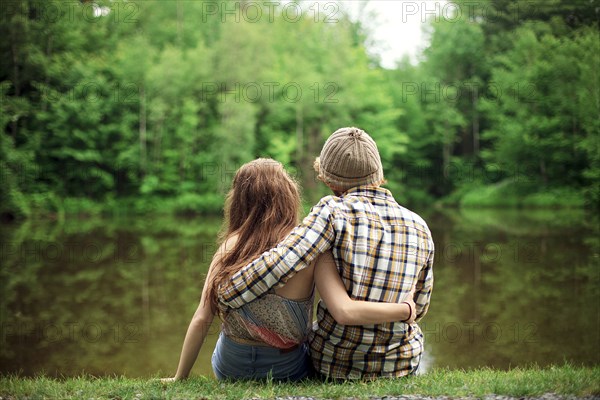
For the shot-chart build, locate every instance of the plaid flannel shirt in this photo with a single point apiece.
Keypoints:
(381, 250)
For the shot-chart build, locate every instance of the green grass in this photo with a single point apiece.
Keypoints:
(509, 194)
(564, 380)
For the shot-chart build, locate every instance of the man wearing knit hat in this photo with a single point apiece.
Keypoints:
(382, 252)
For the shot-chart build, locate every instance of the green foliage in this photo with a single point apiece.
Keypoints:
(505, 93)
(512, 194)
(539, 126)
(156, 104)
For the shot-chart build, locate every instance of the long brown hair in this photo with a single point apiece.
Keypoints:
(261, 208)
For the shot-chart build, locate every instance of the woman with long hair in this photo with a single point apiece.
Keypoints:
(266, 338)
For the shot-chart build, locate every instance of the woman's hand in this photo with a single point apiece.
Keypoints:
(346, 311)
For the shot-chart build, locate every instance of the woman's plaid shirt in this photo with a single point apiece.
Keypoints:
(382, 250)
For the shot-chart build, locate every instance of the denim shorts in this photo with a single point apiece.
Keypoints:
(232, 360)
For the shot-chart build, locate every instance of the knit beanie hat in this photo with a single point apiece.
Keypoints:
(348, 159)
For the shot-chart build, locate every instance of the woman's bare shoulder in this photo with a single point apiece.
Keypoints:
(227, 244)
(225, 247)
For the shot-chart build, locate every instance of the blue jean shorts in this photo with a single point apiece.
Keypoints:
(232, 360)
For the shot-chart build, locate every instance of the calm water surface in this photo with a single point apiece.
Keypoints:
(114, 296)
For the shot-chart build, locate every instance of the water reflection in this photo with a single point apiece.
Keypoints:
(105, 296)
(514, 288)
(101, 296)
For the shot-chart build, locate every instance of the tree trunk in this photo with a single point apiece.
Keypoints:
(142, 130)
(299, 134)
(543, 172)
(310, 184)
(47, 80)
(160, 126)
(16, 78)
(180, 22)
(446, 151)
(475, 128)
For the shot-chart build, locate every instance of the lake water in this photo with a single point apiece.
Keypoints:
(114, 296)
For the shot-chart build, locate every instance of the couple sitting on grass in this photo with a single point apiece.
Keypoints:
(370, 258)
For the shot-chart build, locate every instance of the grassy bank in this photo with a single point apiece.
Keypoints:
(506, 194)
(565, 380)
(510, 194)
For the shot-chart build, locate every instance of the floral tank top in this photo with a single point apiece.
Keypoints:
(271, 320)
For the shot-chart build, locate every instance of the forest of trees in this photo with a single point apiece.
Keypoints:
(126, 106)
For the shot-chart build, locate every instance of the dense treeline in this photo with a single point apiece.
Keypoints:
(138, 106)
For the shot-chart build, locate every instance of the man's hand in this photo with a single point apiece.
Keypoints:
(410, 301)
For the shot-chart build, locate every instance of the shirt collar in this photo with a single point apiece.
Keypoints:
(369, 191)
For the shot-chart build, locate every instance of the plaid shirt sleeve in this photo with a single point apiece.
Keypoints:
(314, 236)
(424, 285)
